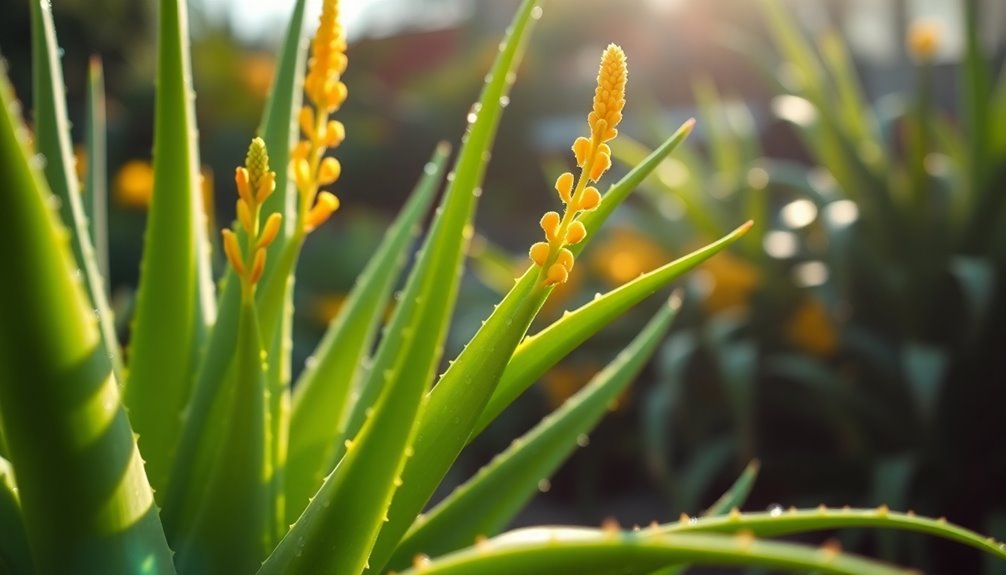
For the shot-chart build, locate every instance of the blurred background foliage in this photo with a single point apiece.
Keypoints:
(851, 342)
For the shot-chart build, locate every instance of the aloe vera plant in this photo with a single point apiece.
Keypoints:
(195, 454)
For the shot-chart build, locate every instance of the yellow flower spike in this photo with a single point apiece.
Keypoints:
(327, 204)
(329, 171)
(593, 157)
(245, 216)
(257, 163)
(564, 185)
(257, 266)
(590, 199)
(539, 253)
(233, 250)
(575, 233)
(269, 231)
(242, 183)
(328, 58)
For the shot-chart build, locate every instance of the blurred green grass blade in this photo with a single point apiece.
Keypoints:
(976, 88)
(52, 142)
(15, 554)
(278, 127)
(724, 146)
(174, 300)
(453, 407)
(738, 492)
(96, 182)
(781, 523)
(549, 550)
(233, 527)
(336, 532)
(537, 353)
(485, 504)
(84, 495)
(324, 388)
(997, 108)
(853, 111)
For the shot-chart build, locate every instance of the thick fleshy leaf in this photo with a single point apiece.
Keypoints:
(174, 301)
(232, 527)
(548, 550)
(52, 142)
(336, 532)
(60, 402)
(325, 386)
(536, 354)
(485, 504)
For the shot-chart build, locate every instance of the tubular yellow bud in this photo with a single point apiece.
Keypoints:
(575, 233)
(306, 119)
(329, 171)
(590, 199)
(601, 164)
(300, 151)
(233, 251)
(564, 185)
(581, 147)
(265, 187)
(243, 184)
(326, 205)
(565, 259)
(335, 133)
(301, 173)
(245, 216)
(539, 253)
(334, 94)
(258, 265)
(557, 274)
(270, 230)
(550, 225)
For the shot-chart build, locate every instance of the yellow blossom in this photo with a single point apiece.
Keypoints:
(593, 157)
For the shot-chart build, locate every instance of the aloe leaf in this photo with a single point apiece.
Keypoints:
(324, 388)
(59, 399)
(777, 523)
(486, 503)
(336, 532)
(548, 550)
(15, 555)
(52, 142)
(174, 301)
(536, 354)
(96, 182)
(233, 525)
(738, 492)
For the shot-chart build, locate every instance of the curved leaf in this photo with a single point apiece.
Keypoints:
(96, 182)
(174, 301)
(546, 551)
(15, 555)
(84, 495)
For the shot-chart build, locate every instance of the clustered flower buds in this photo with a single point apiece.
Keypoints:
(593, 157)
(255, 183)
(325, 93)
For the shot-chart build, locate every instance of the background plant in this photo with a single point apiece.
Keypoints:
(207, 381)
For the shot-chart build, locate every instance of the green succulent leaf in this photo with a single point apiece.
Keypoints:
(324, 388)
(336, 532)
(603, 552)
(738, 492)
(15, 555)
(232, 527)
(174, 301)
(52, 142)
(536, 354)
(59, 399)
(486, 503)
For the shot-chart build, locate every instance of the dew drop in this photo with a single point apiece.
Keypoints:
(775, 510)
(536, 13)
(583, 440)
(38, 161)
(430, 168)
(504, 101)
(450, 178)
(60, 52)
(544, 485)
